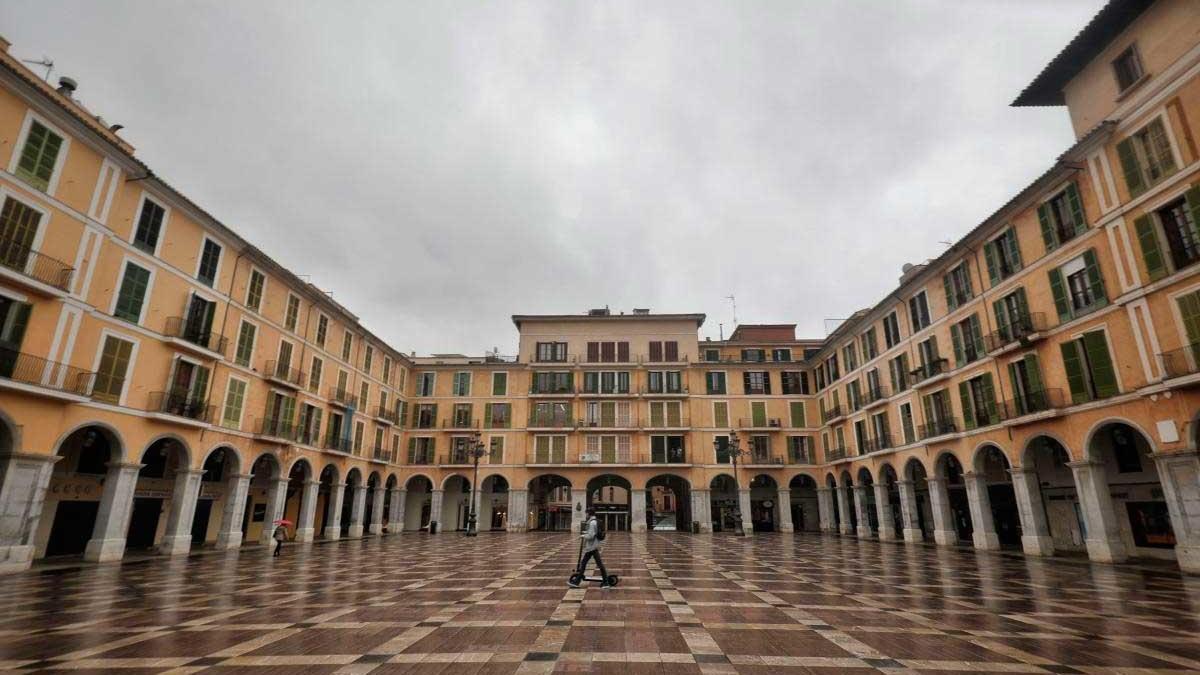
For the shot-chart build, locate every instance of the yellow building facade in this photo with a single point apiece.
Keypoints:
(165, 385)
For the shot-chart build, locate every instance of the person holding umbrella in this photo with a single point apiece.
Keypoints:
(280, 535)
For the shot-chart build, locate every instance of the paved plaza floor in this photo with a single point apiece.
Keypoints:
(499, 603)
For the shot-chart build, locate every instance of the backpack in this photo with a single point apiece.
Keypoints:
(600, 530)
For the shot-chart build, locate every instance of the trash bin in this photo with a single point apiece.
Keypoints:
(433, 527)
(695, 527)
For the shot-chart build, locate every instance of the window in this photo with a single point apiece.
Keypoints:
(796, 410)
(496, 450)
(425, 385)
(499, 384)
(714, 383)
(358, 437)
(343, 385)
(1146, 157)
(967, 338)
(781, 355)
(1078, 287)
(617, 413)
(210, 262)
(957, 284)
(854, 395)
(906, 422)
(235, 398)
(550, 449)
(978, 398)
(1003, 256)
(462, 415)
(291, 315)
(1090, 371)
(799, 449)
(462, 383)
(497, 415)
(712, 355)
(551, 352)
(387, 370)
(364, 394)
(793, 382)
(891, 330)
(831, 368)
(918, 312)
(1013, 319)
(557, 382)
(39, 156)
(898, 370)
(149, 226)
(425, 416)
(938, 417)
(1026, 377)
(861, 440)
(664, 351)
(882, 430)
(756, 382)
(1127, 68)
(666, 449)
(254, 290)
(849, 357)
(131, 298)
(368, 357)
(606, 382)
(608, 352)
(754, 355)
(115, 358)
(314, 375)
(870, 348)
(1062, 218)
(347, 346)
(721, 414)
(245, 344)
(1178, 224)
(721, 445)
(322, 330)
(421, 450)
(18, 231)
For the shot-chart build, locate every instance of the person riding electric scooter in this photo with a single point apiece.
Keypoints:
(591, 536)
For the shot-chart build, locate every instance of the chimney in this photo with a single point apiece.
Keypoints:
(67, 86)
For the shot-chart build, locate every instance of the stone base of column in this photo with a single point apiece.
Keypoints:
(748, 527)
(864, 532)
(104, 550)
(913, 535)
(786, 527)
(355, 532)
(178, 545)
(516, 528)
(1040, 545)
(985, 541)
(705, 527)
(333, 533)
(228, 540)
(1103, 551)
(1188, 557)
(887, 534)
(846, 528)
(305, 534)
(376, 529)
(945, 537)
(15, 558)
(637, 527)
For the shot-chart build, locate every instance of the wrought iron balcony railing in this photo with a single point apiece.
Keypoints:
(37, 266)
(34, 370)
(181, 404)
(180, 327)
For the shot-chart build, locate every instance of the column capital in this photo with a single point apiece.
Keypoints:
(246, 476)
(1181, 453)
(905, 483)
(1022, 471)
(29, 457)
(283, 481)
(189, 472)
(1084, 463)
(125, 465)
(310, 483)
(337, 486)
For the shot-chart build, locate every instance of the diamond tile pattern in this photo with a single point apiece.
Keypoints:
(499, 603)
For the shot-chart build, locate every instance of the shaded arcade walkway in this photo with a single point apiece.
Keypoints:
(687, 604)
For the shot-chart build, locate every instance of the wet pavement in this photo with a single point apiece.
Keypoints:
(686, 604)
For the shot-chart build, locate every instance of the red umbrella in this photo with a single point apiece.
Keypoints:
(282, 521)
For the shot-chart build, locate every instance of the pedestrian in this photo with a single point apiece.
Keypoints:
(280, 536)
(591, 549)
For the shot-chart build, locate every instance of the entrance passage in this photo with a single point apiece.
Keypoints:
(669, 504)
(609, 495)
(73, 525)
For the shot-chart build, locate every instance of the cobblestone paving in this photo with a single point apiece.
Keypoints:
(686, 604)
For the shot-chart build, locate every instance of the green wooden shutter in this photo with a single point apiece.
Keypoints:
(1076, 206)
(1095, 278)
(951, 301)
(1131, 168)
(412, 450)
(977, 336)
(1104, 376)
(487, 415)
(989, 398)
(968, 409)
(1048, 235)
(433, 408)
(956, 339)
(1033, 372)
(1156, 266)
(993, 264)
(1074, 367)
(1003, 321)
(1059, 289)
(927, 407)
(1013, 247)
(797, 411)
(1023, 308)
(1013, 378)
(1162, 146)
(1193, 202)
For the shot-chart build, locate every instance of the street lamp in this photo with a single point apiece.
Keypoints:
(734, 448)
(477, 451)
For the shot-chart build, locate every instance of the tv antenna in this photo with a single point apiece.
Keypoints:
(45, 63)
(733, 302)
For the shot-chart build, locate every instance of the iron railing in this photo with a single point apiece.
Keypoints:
(275, 428)
(1020, 328)
(1034, 402)
(460, 423)
(180, 404)
(386, 414)
(665, 390)
(343, 397)
(800, 456)
(875, 394)
(835, 453)
(180, 327)
(338, 444)
(928, 370)
(37, 266)
(1181, 362)
(422, 457)
(283, 372)
(29, 369)
(832, 413)
(551, 389)
(551, 420)
(764, 423)
(938, 428)
(880, 442)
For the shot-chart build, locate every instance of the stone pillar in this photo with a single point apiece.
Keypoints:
(178, 538)
(1103, 533)
(860, 511)
(435, 509)
(518, 510)
(702, 511)
(308, 511)
(1035, 529)
(375, 527)
(637, 510)
(744, 505)
(333, 516)
(883, 511)
(357, 508)
(108, 537)
(237, 486)
(1180, 478)
(396, 511)
(276, 503)
(983, 525)
(825, 509)
(943, 520)
(843, 502)
(784, 499)
(908, 512)
(24, 479)
(578, 504)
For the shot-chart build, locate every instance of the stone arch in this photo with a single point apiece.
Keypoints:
(803, 502)
(305, 465)
(391, 482)
(493, 502)
(1089, 438)
(418, 502)
(551, 502)
(764, 503)
(914, 469)
(830, 480)
(864, 476)
(408, 483)
(449, 477)
(354, 477)
(180, 444)
(11, 434)
(676, 508)
(113, 437)
(1031, 446)
(231, 459)
(272, 462)
(614, 507)
(93, 456)
(723, 503)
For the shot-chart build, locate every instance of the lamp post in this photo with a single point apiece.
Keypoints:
(734, 449)
(477, 451)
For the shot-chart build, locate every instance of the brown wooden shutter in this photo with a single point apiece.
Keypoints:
(593, 352)
(656, 351)
(672, 349)
(623, 352)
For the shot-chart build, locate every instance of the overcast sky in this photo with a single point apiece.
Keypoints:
(441, 166)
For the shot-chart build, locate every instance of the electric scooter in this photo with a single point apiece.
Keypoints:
(577, 578)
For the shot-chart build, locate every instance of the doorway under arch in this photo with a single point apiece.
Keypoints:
(668, 504)
(610, 495)
(550, 503)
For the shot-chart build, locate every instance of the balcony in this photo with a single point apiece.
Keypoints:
(833, 413)
(768, 423)
(381, 454)
(551, 389)
(420, 457)
(547, 456)
(281, 431)
(935, 429)
(459, 457)
(34, 271)
(464, 423)
(183, 334)
(307, 436)
(803, 456)
(41, 377)
(930, 373)
(881, 442)
(668, 421)
(1181, 362)
(668, 456)
(665, 391)
(611, 456)
(763, 458)
(283, 374)
(612, 422)
(602, 391)
(1023, 331)
(338, 444)
(1033, 403)
(342, 398)
(874, 396)
(386, 415)
(551, 421)
(835, 453)
(180, 406)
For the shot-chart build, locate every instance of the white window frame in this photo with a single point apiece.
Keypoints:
(43, 221)
(492, 391)
(19, 146)
(347, 358)
(432, 386)
(262, 296)
(106, 333)
(928, 311)
(137, 218)
(200, 258)
(714, 413)
(125, 263)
